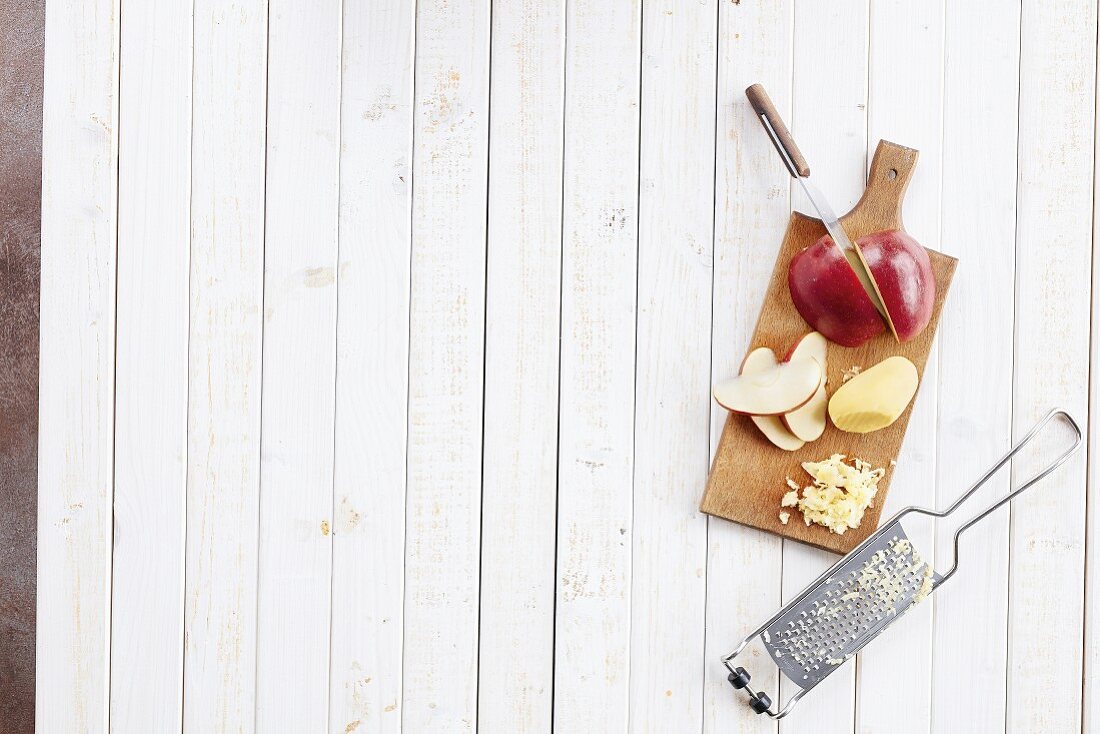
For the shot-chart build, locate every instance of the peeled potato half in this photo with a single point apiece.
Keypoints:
(874, 398)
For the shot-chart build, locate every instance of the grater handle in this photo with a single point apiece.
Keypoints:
(1062, 458)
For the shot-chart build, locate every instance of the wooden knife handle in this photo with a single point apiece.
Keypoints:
(778, 132)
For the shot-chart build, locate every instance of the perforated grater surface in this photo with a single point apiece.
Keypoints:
(849, 605)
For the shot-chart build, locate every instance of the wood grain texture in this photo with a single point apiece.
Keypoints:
(672, 407)
(299, 367)
(749, 493)
(751, 207)
(150, 484)
(1090, 712)
(368, 542)
(1053, 309)
(905, 95)
(228, 153)
(446, 366)
(21, 58)
(515, 691)
(507, 555)
(596, 413)
(76, 443)
(975, 395)
(763, 106)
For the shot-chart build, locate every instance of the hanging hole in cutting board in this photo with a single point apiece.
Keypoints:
(892, 174)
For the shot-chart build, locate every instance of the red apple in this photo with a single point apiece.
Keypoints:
(903, 274)
(830, 297)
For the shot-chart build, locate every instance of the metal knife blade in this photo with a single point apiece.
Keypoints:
(840, 237)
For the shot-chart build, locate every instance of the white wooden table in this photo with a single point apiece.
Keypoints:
(377, 343)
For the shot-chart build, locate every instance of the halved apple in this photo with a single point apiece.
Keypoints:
(761, 360)
(874, 398)
(808, 422)
(773, 390)
(829, 295)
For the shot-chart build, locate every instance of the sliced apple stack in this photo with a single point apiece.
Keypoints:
(786, 388)
(786, 399)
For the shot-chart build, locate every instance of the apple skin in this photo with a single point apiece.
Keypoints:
(831, 299)
(829, 296)
(903, 274)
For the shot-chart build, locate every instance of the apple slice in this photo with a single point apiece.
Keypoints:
(808, 422)
(761, 360)
(774, 390)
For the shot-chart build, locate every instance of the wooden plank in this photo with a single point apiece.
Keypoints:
(372, 366)
(1090, 710)
(596, 419)
(752, 205)
(905, 104)
(829, 122)
(515, 691)
(672, 395)
(76, 444)
(223, 433)
(981, 41)
(299, 356)
(1053, 251)
(446, 366)
(22, 47)
(154, 228)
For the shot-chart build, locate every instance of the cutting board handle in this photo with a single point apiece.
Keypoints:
(891, 169)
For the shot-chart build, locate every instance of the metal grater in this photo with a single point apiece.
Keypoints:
(849, 605)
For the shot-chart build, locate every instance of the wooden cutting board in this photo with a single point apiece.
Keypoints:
(748, 476)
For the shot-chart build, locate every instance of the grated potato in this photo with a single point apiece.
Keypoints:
(840, 494)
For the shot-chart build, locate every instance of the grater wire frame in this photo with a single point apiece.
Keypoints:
(813, 586)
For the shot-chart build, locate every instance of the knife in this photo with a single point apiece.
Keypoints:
(800, 170)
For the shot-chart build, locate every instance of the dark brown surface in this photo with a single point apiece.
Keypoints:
(21, 44)
(762, 105)
(748, 477)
